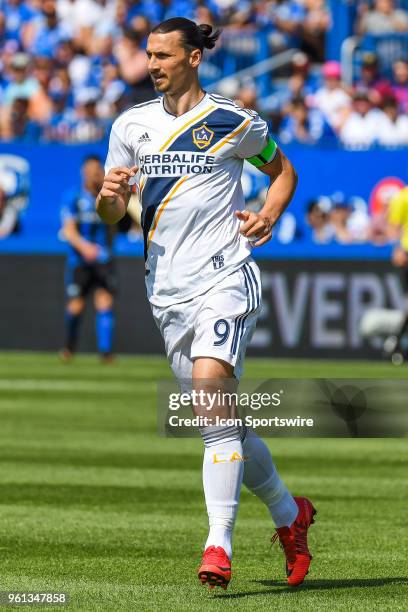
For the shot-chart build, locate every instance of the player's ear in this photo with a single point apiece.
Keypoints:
(195, 58)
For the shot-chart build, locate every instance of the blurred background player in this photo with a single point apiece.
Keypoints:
(391, 324)
(89, 263)
(398, 222)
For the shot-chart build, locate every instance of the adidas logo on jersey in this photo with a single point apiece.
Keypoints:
(144, 138)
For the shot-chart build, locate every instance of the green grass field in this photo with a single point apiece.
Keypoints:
(94, 503)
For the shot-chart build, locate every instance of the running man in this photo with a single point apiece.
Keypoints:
(398, 231)
(186, 151)
(89, 262)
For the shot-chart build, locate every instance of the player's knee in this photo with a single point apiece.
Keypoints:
(103, 300)
(76, 306)
(212, 368)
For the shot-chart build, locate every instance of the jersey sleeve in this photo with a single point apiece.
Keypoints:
(69, 209)
(256, 146)
(119, 153)
(397, 209)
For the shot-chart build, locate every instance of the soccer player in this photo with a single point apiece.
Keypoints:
(186, 151)
(89, 262)
(398, 230)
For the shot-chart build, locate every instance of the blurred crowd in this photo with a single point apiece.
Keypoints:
(371, 112)
(69, 67)
(337, 219)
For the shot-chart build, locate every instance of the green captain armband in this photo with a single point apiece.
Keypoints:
(265, 156)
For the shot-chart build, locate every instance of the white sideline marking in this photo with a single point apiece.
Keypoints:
(72, 386)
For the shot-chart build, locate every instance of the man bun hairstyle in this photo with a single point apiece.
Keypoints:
(208, 35)
(193, 36)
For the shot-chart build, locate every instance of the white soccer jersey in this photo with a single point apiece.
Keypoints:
(189, 182)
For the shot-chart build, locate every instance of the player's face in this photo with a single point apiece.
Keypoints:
(171, 67)
(93, 175)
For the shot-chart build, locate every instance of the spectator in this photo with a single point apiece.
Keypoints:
(378, 230)
(17, 124)
(318, 220)
(2, 26)
(299, 84)
(300, 67)
(64, 53)
(247, 98)
(340, 215)
(68, 44)
(349, 219)
(110, 72)
(175, 8)
(58, 126)
(99, 40)
(143, 26)
(80, 71)
(383, 18)
(22, 84)
(132, 62)
(286, 16)
(153, 11)
(302, 125)
(61, 83)
(87, 126)
(400, 87)
(48, 32)
(40, 102)
(17, 14)
(78, 18)
(234, 14)
(359, 129)
(371, 80)
(203, 14)
(315, 25)
(392, 130)
(332, 99)
(114, 100)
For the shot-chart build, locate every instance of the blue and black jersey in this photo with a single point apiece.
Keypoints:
(79, 206)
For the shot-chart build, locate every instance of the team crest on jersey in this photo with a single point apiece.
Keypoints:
(202, 136)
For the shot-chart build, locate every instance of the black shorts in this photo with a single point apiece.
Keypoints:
(81, 280)
(403, 274)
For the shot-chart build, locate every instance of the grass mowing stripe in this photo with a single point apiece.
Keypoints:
(94, 503)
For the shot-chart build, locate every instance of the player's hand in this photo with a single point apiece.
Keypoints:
(399, 257)
(116, 183)
(90, 251)
(256, 227)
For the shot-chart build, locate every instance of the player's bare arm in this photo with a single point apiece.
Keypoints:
(88, 250)
(113, 199)
(283, 181)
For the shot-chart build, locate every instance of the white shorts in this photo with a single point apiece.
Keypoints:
(218, 323)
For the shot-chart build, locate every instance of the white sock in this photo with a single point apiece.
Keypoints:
(262, 479)
(222, 478)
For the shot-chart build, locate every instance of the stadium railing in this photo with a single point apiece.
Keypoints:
(260, 73)
(388, 48)
(240, 50)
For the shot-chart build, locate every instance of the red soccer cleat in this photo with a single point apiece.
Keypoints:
(293, 540)
(215, 569)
